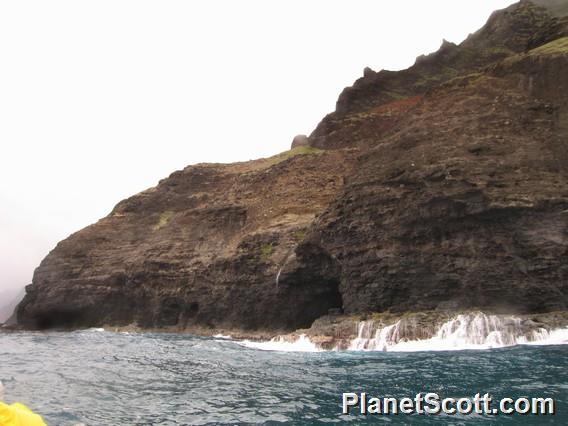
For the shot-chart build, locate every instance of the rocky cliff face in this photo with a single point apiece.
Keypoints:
(203, 247)
(444, 186)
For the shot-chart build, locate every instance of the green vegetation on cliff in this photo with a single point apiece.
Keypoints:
(559, 46)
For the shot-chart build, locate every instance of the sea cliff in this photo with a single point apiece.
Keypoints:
(439, 188)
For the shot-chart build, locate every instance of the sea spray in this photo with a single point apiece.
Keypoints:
(299, 343)
(465, 331)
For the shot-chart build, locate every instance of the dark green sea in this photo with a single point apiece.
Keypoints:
(97, 377)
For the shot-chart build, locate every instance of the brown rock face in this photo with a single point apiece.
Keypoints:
(465, 206)
(203, 247)
(444, 186)
(557, 8)
(513, 30)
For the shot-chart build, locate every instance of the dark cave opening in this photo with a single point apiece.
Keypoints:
(170, 312)
(193, 309)
(311, 286)
(174, 311)
(58, 319)
(313, 300)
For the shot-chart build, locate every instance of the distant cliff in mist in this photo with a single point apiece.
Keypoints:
(9, 299)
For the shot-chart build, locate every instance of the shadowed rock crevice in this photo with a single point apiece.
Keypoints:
(311, 277)
(58, 319)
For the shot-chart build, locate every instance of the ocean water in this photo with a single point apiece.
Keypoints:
(98, 377)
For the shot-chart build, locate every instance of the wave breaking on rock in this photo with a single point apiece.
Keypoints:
(468, 331)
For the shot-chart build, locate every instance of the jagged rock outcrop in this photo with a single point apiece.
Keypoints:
(441, 187)
(513, 30)
(300, 140)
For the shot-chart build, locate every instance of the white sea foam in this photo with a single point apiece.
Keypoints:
(301, 344)
(464, 332)
(467, 331)
(553, 337)
(222, 336)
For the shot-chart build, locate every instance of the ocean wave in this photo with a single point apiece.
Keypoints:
(282, 343)
(222, 337)
(473, 331)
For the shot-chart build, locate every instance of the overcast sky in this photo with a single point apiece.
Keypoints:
(101, 99)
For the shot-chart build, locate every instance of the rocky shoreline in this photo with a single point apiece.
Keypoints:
(356, 332)
(338, 331)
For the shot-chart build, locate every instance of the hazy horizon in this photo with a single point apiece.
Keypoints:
(101, 100)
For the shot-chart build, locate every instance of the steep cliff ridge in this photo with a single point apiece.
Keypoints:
(441, 187)
(518, 28)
